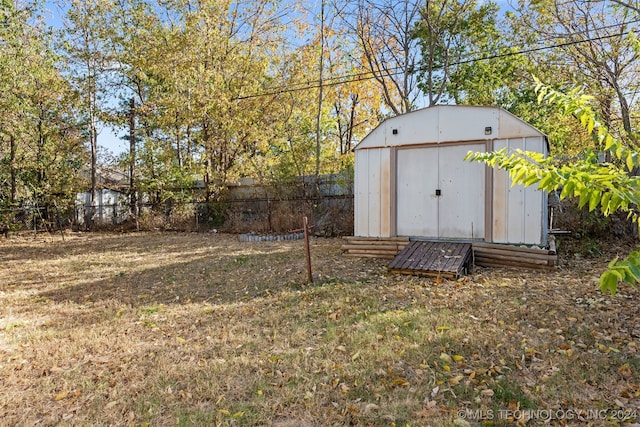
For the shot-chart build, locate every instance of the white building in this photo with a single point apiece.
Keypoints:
(411, 178)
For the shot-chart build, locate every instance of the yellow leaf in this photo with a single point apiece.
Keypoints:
(260, 392)
(625, 370)
(401, 382)
(456, 380)
(224, 412)
(61, 395)
(238, 415)
(180, 340)
(446, 368)
(457, 357)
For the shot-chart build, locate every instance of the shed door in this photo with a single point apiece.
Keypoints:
(457, 210)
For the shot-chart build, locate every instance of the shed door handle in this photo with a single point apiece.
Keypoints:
(438, 192)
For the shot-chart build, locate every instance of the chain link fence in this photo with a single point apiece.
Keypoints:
(327, 216)
(35, 218)
(242, 208)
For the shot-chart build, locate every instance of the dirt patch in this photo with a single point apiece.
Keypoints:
(201, 329)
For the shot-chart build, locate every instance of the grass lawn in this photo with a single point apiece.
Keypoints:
(200, 329)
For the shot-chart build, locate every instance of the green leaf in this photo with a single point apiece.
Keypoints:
(519, 174)
(635, 271)
(612, 263)
(594, 200)
(608, 282)
(530, 180)
(567, 190)
(584, 194)
(604, 203)
(545, 181)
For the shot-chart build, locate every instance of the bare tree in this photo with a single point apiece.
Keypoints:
(596, 48)
(384, 31)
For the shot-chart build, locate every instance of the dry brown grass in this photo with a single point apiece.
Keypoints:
(200, 329)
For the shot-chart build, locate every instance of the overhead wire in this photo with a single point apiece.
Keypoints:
(368, 75)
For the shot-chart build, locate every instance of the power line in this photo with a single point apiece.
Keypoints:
(368, 75)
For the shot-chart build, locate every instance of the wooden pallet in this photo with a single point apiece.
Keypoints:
(376, 247)
(438, 259)
(484, 254)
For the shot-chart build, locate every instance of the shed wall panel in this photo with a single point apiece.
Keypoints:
(461, 205)
(362, 185)
(467, 123)
(518, 211)
(499, 208)
(385, 201)
(372, 196)
(535, 219)
(417, 204)
(414, 128)
(512, 127)
(516, 203)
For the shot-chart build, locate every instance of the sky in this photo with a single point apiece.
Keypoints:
(109, 137)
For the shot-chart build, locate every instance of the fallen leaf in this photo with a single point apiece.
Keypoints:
(445, 357)
(625, 370)
(61, 395)
(456, 380)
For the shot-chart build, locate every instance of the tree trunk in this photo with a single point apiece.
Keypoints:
(320, 92)
(133, 200)
(13, 171)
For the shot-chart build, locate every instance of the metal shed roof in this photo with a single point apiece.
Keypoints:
(448, 123)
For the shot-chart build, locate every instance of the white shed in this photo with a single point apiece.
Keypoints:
(411, 178)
